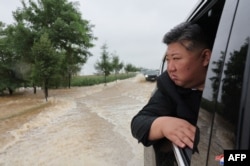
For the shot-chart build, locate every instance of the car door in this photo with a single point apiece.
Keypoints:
(224, 109)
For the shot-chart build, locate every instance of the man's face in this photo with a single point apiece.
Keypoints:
(187, 68)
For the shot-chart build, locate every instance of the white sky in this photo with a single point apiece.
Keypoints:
(133, 29)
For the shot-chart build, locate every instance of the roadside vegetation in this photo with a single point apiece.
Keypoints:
(98, 79)
(47, 46)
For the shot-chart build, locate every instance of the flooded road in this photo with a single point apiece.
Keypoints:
(77, 126)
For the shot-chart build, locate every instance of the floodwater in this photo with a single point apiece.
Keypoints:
(85, 126)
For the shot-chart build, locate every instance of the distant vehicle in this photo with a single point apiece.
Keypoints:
(151, 75)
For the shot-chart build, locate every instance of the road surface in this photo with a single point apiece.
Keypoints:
(76, 127)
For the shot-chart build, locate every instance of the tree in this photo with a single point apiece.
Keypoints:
(130, 68)
(10, 76)
(104, 66)
(22, 40)
(116, 64)
(62, 21)
(46, 62)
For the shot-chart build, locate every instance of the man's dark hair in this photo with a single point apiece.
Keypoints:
(189, 35)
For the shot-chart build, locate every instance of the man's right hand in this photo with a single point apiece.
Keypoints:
(178, 131)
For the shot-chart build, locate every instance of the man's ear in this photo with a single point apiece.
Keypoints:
(206, 55)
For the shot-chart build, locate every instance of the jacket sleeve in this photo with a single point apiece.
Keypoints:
(141, 123)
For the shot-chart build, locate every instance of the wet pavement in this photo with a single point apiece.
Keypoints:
(77, 126)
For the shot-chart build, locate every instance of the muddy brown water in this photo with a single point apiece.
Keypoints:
(77, 126)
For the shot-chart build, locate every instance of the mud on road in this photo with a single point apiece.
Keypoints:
(77, 126)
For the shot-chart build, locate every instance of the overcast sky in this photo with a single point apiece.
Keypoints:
(133, 29)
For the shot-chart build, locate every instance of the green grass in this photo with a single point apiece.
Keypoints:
(98, 79)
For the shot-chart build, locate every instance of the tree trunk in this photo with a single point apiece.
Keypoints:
(10, 91)
(69, 79)
(46, 89)
(105, 80)
(34, 88)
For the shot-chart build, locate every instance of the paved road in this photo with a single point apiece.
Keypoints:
(82, 126)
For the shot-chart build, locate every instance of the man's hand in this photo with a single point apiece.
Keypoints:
(177, 130)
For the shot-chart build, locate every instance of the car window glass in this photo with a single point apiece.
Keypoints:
(226, 118)
(210, 93)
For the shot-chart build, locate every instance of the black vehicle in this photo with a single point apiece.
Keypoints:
(151, 75)
(224, 115)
